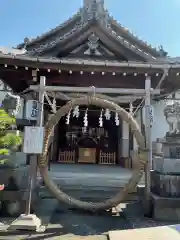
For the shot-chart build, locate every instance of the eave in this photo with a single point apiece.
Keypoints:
(65, 25)
(129, 35)
(22, 67)
(84, 64)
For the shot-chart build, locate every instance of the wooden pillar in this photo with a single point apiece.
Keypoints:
(148, 146)
(55, 153)
(135, 145)
(119, 150)
(125, 141)
(34, 157)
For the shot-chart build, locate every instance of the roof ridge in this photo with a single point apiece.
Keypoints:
(58, 27)
(131, 34)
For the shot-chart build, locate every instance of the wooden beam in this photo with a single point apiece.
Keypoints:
(94, 90)
(117, 99)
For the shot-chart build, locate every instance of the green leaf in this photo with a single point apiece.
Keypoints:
(4, 151)
(8, 140)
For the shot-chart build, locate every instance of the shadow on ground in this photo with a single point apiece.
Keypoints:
(73, 223)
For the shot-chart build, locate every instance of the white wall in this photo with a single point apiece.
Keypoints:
(160, 126)
(2, 96)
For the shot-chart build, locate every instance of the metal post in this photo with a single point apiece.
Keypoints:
(33, 158)
(148, 146)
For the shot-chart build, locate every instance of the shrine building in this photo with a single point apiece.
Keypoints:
(91, 49)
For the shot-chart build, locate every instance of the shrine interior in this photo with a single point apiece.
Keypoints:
(96, 140)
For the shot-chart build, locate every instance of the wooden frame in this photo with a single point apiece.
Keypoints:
(87, 155)
(66, 157)
(107, 157)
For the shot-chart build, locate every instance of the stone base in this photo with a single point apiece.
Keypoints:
(166, 209)
(165, 185)
(26, 222)
(166, 165)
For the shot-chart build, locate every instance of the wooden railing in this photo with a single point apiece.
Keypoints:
(66, 157)
(107, 158)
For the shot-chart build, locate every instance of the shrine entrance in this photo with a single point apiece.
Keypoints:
(88, 136)
(139, 161)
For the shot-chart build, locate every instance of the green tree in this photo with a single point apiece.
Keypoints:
(9, 141)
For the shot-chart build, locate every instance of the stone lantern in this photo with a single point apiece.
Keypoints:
(165, 176)
(172, 115)
(11, 104)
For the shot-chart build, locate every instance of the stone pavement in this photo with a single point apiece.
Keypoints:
(90, 175)
(99, 175)
(154, 233)
(63, 223)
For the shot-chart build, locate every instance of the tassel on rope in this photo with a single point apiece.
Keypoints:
(86, 118)
(107, 114)
(68, 117)
(101, 119)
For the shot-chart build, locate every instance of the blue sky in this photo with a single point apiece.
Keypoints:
(155, 21)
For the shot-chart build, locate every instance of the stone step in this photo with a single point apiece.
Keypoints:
(93, 195)
(87, 184)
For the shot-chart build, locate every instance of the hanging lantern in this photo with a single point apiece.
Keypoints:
(86, 118)
(117, 119)
(68, 118)
(101, 119)
(76, 112)
(107, 114)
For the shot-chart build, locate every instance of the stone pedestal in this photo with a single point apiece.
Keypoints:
(26, 222)
(165, 181)
(166, 209)
(165, 185)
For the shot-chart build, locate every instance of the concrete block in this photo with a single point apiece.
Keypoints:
(26, 222)
(166, 165)
(165, 185)
(166, 209)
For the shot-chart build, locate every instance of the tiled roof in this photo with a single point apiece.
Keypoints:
(81, 19)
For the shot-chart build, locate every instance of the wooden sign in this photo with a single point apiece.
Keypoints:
(33, 140)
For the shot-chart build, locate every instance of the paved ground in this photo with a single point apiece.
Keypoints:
(62, 223)
(92, 175)
(160, 233)
(70, 224)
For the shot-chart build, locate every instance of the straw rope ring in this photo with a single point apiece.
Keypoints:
(139, 161)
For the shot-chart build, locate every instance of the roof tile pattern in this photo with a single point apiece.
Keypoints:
(92, 10)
